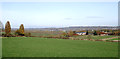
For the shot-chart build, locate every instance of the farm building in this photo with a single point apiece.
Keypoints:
(103, 33)
(81, 33)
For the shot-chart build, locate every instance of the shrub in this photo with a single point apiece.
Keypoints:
(28, 34)
(8, 35)
(95, 33)
(20, 31)
(71, 33)
(17, 32)
(87, 32)
(65, 34)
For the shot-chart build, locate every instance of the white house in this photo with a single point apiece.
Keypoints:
(81, 33)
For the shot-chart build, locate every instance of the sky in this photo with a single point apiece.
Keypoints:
(59, 14)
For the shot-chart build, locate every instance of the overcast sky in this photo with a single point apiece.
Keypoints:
(60, 14)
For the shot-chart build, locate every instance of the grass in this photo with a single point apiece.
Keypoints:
(113, 39)
(94, 37)
(40, 34)
(46, 33)
(44, 47)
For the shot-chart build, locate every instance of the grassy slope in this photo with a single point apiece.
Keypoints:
(114, 39)
(94, 37)
(46, 33)
(43, 47)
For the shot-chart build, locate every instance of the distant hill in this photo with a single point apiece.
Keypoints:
(73, 28)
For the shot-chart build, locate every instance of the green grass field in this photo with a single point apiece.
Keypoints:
(113, 39)
(44, 47)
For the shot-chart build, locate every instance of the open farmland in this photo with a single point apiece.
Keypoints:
(97, 37)
(49, 47)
